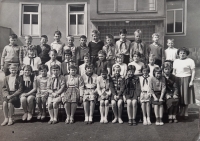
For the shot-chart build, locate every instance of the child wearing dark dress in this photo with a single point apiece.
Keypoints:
(11, 89)
(172, 98)
(132, 94)
(157, 88)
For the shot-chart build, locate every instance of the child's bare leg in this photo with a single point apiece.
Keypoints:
(39, 101)
(119, 105)
(11, 112)
(102, 110)
(186, 110)
(73, 110)
(106, 111)
(55, 110)
(134, 103)
(50, 109)
(5, 112)
(144, 110)
(30, 99)
(156, 111)
(114, 108)
(67, 106)
(92, 106)
(86, 110)
(129, 109)
(161, 114)
(148, 109)
(24, 106)
(170, 111)
(44, 100)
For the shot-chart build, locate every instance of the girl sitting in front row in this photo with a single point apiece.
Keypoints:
(132, 92)
(157, 88)
(145, 97)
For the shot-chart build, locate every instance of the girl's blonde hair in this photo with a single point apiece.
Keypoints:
(155, 34)
(138, 31)
(172, 40)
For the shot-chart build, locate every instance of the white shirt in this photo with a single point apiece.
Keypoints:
(11, 82)
(34, 63)
(171, 54)
(138, 67)
(152, 68)
(123, 67)
(50, 63)
(82, 69)
(183, 67)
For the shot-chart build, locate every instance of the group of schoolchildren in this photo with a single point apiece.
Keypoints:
(116, 73)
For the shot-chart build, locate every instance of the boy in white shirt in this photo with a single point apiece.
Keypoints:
(152, 64)
(171, 51)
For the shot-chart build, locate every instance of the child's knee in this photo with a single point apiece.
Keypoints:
(102, 103)
(106, 103)
(23, 99)
(5, 103)
(134, 103)
(113, 102)
(50, 106)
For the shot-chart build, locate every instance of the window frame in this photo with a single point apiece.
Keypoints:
(21, 4)
(184, 20)
(135, 9)
(85, 13)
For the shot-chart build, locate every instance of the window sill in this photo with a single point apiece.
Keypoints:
(127, 12)
(34, 37)
(176, 34)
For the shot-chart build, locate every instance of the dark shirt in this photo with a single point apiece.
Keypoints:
(171, 85)
(132, 87)
(101, 65)
(43, 52)
(28, 88)
(94, 48)
(118, 85)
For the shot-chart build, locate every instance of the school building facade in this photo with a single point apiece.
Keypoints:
(177, 19)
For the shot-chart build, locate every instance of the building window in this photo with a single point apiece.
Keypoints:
(30, 19)
(126, 6)
(76, 19)
(175, 16)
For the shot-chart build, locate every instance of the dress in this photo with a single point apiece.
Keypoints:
(41, 86)
(74, 89)
(183, 73)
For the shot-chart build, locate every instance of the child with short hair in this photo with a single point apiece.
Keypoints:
(86, 62)
(89, 93)
(137, 63)
(33, 61)
(109, 48)
(74, 89)
(157, 88)
(157, 50)
(27, 97)
(70, 46)
(24, 49)
(123, 46)
(53, 60)
(145, 96)
(95, 46)
(42, 93)
(11, 89)
(119, 61)
(138, 46)
(117, 90)
(10, 54)
(82, 49)
(43, 49)
(104, 92)
(171, 51)
(102, 63)
(172, 95)
(55, 87)
(67, 62)
(152, 64)
(58, 45)
(132, 94)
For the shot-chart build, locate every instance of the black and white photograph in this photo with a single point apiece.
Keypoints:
(99, 70)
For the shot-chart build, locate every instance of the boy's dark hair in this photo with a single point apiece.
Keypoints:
(183, 49)
(44, 36)
(72, 67)
(86, 55)
(96, 32)
(55, 66)
(69, 52)
(58, 33)
(167, 64)
(13, 36)
(137, 53)
(83, 36)
(43, 67)
(123, 31)
(89, 66)
(145, 67)
(157, 69)
(131, 67)
(109, 36)
(53, 50)
(104, 71)
(102, 52)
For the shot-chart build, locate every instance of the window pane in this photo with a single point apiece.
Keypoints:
(26, 19)
(175, 4)
(170, 21)
(34, 19)
(31, 8)
(35, 30)
(106, 6)
(76, 8)
(81, 30)
(179, 20)
(72, 20)
(126, 5)
(72, 30)
(80, 19)
(26, 29)
(146, 5)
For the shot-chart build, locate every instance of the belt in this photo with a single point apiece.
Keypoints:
(144, 91)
